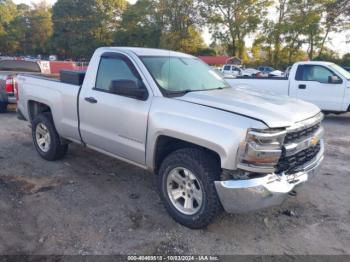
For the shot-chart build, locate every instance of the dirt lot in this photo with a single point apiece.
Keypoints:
(89, 203)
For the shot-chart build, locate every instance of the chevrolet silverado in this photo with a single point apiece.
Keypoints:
(212, 147)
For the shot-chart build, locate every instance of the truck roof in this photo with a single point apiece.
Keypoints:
(140, 51)
(314, 63)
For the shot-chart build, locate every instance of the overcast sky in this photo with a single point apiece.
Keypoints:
(338, 42)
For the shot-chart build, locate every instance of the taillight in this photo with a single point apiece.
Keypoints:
(10, 84)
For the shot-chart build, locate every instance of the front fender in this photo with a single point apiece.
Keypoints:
(214, 129)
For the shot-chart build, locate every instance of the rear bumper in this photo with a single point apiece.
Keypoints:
(8, 98)
(11, 99)
(240, 196)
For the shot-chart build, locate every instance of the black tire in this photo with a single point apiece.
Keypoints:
(3, 107)
(56, 149)
(207, 170)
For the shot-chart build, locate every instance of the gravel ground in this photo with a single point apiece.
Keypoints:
(89, 203)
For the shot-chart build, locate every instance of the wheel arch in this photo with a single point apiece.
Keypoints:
(35, 108)
(165, 145)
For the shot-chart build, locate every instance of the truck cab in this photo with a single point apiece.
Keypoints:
(231, 70)
(325, 84)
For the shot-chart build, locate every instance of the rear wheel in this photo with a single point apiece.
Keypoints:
(186, 185)
(46, 139)
(3, 107)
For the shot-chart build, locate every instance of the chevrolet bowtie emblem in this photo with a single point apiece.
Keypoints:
(314, 141)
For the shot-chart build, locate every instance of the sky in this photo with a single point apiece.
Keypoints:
(337, 43)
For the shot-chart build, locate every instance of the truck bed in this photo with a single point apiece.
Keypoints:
(60, 97)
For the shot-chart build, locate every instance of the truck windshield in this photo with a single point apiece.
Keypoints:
(180, 75)
(341, 70)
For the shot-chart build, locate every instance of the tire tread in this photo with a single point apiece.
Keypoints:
(202, 159)
(57, 150)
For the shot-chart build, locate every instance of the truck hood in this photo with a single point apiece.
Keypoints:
(274, 111)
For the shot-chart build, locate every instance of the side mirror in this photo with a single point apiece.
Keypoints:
(334, 80)
(128, 88)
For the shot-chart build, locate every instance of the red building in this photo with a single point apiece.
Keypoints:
(220, 60)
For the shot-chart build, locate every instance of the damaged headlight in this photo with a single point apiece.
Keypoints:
(261, 150)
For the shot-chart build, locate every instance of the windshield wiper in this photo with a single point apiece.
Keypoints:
(181, 92)
(185, 91)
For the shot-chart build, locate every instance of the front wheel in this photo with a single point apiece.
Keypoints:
(46, 139)
(186, 185)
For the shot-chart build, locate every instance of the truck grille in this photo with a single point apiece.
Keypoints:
(292, 163)
(302, 134)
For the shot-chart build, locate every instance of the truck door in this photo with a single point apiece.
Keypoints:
(236, 71)
(226, 70)
(114, 122)
(319, 85)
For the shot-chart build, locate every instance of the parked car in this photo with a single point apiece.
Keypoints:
(210, 145)
(53, 58)
(276, 73)
(8, 71)
(265, 70)
(322, 83)
(234, 71)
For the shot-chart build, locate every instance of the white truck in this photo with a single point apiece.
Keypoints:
(229, 70)
(210, 145)
(324, 84)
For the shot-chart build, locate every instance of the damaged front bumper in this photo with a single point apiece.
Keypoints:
(240, 196)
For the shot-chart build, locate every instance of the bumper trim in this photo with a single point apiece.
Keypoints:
(241, 196)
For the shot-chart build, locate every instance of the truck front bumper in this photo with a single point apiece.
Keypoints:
(241, 196)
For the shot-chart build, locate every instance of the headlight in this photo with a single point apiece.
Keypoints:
(261, 149)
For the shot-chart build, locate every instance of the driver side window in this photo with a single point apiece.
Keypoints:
(110, 69)
(314, 73)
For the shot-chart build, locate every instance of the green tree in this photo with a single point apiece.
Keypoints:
(188, 41)
(207, 51)
(30, 29)
(40, 28)
(8, 12)
(80, 26)
(141, 25)
(18, 31)
(162, 23)
(181, 20)
(336, 16)
(279, 29)
(232, 20)
(328, 55)
(303, 26)
(345, 61)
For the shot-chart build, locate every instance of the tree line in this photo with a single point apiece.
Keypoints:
(283, 31)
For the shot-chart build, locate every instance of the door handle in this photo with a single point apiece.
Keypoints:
(302, 86)
(91, 100)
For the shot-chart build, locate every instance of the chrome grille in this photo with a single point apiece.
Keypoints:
(296, 137)
(302, 134)
(292, 163)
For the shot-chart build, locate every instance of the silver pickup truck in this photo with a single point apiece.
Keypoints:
(211, 146)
